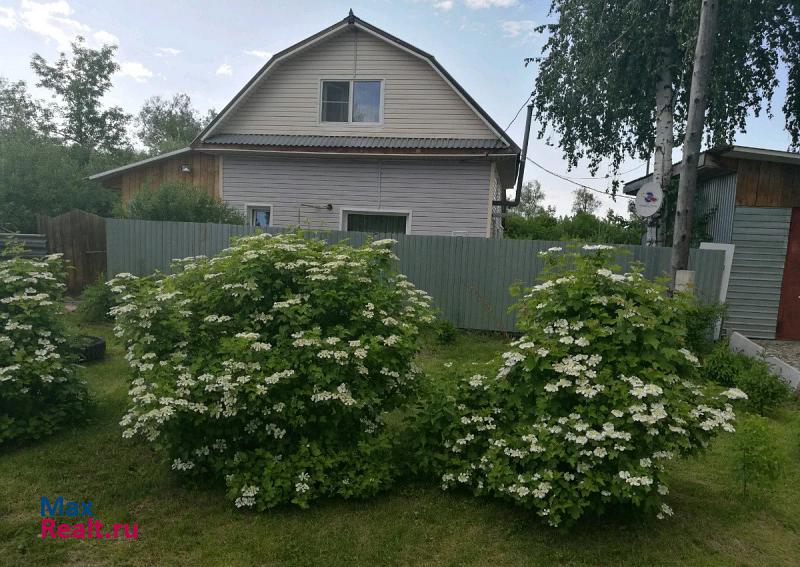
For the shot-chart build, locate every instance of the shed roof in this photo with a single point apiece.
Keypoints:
(708, 166)
(148, 161)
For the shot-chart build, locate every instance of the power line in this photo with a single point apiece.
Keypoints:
(564, 177)
(517, 114)
(617, 174)
(567, 179)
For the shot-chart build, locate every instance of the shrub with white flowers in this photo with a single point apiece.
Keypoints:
(590, 403)
(272, 365)
(39, 388)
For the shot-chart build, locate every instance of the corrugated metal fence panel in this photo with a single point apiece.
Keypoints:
(718, 197)
(141, 247)
(34, 244)
(469, 278)
(760, 235)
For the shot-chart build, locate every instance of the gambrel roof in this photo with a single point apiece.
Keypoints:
(211, 134)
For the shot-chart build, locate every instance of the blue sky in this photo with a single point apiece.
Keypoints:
(210, 49)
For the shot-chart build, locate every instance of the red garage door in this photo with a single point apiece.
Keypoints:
(789, 310)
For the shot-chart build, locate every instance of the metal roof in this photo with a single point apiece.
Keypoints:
(359, 142)
(730, 151)
(139, 163)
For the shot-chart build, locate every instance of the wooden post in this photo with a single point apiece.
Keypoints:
(701, 78)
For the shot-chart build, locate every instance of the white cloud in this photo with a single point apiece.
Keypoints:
(162, 51)
(260, 54)
(8, 18)
(51, 21)
(103, 37)
(225, 69)
(438, 5)
(519, 28)
(135, 70)
(480, 4)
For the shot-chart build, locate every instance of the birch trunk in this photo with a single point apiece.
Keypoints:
(664, 139)
(695, 123)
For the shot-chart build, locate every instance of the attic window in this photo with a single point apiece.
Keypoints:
(351, 101)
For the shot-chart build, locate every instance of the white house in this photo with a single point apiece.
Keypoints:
(350, 129)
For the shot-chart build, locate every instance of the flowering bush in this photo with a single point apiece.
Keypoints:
(272, 365)
(765, 391)
(39, 389)
(589, 403)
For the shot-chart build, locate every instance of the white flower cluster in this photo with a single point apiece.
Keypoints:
(289, 333)
(248, 497)
(37, 373)
(574, 391)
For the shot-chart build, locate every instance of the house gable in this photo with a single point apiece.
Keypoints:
(419, 98)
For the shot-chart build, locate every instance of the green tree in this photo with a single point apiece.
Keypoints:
(615, 78)
(178, 202)
(78, 83)
(19, 110)
(602, 61)
(531, 201)
(582, 226)
(540, 227)
(585, 201)
(38, 173)
(168, 124)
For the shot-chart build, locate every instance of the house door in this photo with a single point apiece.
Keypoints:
(789, 309)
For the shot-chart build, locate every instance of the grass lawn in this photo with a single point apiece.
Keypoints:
(713, 523)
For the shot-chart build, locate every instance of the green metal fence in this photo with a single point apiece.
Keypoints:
(469, 278)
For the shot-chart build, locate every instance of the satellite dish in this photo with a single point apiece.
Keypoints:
(648, 199)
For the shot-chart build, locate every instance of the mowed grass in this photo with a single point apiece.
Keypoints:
(417, 525)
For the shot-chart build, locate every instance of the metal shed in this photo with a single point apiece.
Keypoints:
(751, 199)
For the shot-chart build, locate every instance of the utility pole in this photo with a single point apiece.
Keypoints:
(701, 78)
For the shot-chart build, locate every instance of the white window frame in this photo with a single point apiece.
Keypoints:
(349, 121)
(250, 207)
(343, 212)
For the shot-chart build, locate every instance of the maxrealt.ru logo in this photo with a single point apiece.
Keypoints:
(88, 529)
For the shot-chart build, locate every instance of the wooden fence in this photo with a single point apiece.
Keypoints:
(469, 278)
(81, 237)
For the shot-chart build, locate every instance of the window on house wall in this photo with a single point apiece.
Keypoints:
(335, 101)
(366, 101)
(259, 215)
(392, 223)
(351, 101)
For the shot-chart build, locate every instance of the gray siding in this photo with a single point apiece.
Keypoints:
(760, 235)
(443, 195)
(495, 193)
(417, 101)
(717, 198)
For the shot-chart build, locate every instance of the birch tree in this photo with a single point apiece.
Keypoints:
(614, 77)
(78, 83)
(701, 78)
